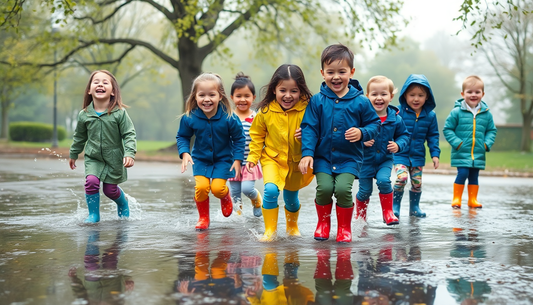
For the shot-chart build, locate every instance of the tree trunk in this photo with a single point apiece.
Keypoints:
(5, 122)
(526, 132)
(189, 66)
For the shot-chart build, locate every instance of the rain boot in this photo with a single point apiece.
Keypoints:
(344, 269)
(472, 196)
(324, 221)
(344, 224)
(226, 205)
(257, 202)
(93, 204)
(203, 211)
(292, 223)
(270, 217)
(323, 265)
(457, 194)
(386, 208)
(123, 209)
(238, 205)
(397, 203)
(362, 206)
(414, 202)
(270, 272)
(291, 265)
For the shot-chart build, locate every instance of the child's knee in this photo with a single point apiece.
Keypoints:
(271, 194)
(92, 185)
(112, 191)
(219, 188)
(202, 188)
(384, 186)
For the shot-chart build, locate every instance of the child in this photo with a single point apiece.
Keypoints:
(218, 149)
(274, 134)
(243, 95)
(342, 118)
(392, 138)
(471, 132)
(107, 135)
(416, 109)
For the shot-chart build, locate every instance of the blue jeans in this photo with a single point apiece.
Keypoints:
(467, 172)
(245, 187)
(382, 180)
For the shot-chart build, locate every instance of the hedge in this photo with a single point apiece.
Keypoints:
(34, 132)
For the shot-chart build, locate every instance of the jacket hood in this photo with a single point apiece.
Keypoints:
(422, 80)
(354, 90)
(460, 103)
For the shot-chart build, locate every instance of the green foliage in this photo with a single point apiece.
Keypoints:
(12, 11)
(34, 132)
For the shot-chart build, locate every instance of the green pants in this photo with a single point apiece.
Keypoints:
(338, 184)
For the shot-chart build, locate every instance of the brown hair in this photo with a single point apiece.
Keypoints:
(420, 86)
(381, 79)
(284, 72)
(337, 52)
(191, 104)
(473, 79)
(115, 99)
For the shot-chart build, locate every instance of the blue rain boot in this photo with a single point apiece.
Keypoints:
(414, 201)
(123, 209)
(396, 203)
(93, 204)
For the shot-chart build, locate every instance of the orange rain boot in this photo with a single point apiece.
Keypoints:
(457, 195)
(472, 196)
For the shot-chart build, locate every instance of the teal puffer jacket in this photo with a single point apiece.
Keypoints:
(470, 137)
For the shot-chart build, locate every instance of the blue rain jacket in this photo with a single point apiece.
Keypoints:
(326, 120)
(219, 142)
(377, 156)
(422, 129)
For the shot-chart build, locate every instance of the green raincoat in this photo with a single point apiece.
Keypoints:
(107, 139)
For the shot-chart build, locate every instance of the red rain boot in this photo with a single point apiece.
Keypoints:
(362, 206)
(324, 221)
(344, 224)
(226, 205)
(203, 211)
(323, 265)
(386, 208)
(344, 269)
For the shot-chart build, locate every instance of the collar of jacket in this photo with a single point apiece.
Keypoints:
(354, 90)
(461, 103)
(92, 112)
(392, 111)
(221, 110)
(276, 107)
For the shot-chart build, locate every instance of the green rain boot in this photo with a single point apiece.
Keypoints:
(93, 204)
(123, 209)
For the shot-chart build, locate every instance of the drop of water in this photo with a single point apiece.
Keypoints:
(35, 160)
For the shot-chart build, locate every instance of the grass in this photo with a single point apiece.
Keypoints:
(514, 161)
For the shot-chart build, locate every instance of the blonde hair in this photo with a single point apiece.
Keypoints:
(381, 79)
(471, 80)
(191, 103)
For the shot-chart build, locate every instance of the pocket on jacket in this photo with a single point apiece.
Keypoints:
(270, 152)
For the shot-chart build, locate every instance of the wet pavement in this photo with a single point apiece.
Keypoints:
(48, 256)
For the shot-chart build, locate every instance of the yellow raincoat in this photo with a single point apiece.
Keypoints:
(274, 145)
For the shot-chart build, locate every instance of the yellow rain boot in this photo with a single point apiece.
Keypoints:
(292, 223)
(270, 217)
(256, 203)
(270, 265)
(472, 196)
(457, 195)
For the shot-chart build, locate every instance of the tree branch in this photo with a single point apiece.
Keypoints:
(170, 16)
(107, 17)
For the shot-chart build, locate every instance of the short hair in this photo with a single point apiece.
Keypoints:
(471, 80)
(337, 52)
(381, 79)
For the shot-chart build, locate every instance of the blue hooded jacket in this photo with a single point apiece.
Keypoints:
(422, 129)
(219, 142)
(377, 156)
(325, 123)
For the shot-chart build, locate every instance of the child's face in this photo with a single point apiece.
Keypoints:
(337, 75)
(380, 97)
(207, 97)
(101, 87)
(416, 97)
(287, 93)
(243, 99)
(473, 94)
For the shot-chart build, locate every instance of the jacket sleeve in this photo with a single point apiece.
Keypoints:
(237, 137)
(370, 121)
(79, 138)
(257, 135)
(449, 130)
(433, 137)
(128, 135)
(183, 138)
(401, 135)
(310, 129)
(490, 134)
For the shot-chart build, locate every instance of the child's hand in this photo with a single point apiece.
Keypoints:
(353, 134)
(305, 163)
(186, 158)
(298, 133)
(249, 166)
(435, 162)
(72, 163)
(369, 143)
(237, 167)
(393, 147)
(128, 162)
